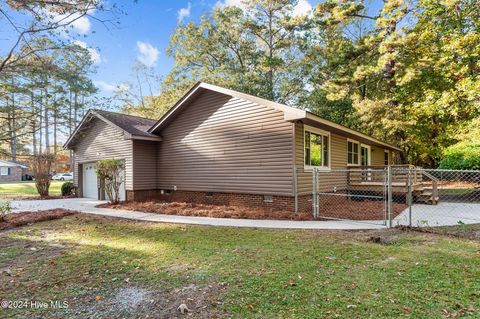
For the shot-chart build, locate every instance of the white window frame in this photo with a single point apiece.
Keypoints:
(321, 132)
(4, 171)
(359, 152)
(388, 155)
(369, 148)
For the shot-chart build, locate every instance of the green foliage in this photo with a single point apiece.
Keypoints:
(111, 174)
(463, 155)
(67, 189)
(466, 153)
(5, 208)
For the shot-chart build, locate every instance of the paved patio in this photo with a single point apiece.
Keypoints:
(87, 206)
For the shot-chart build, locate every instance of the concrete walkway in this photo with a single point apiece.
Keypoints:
(87, 206)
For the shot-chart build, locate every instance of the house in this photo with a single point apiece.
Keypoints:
(217, 145)
(11, 171)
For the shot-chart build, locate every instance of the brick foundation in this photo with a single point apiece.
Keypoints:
(284, 203)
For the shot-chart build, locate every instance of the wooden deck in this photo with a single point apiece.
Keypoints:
(373, 179)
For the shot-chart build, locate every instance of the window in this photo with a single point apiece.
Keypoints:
(317, 149)
(4, 171)
(386, 158)
(365, 155)
(352, 153)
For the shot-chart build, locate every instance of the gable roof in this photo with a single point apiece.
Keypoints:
(134, 127)
(290, 114)
(10, 164)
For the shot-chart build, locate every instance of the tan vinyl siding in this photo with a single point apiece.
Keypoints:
(338, 154)
(145, 165)
(224, 144)
(378, 156)
(104, 141)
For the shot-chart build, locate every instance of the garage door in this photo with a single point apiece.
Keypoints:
(90, 181)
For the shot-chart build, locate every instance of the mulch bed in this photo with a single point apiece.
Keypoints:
(24, 218)
(204, 210)
(344, 207)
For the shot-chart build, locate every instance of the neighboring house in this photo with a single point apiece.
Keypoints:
(220, 146)
(11, 171)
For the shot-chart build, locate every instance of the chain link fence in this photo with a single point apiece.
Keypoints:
(397, 195)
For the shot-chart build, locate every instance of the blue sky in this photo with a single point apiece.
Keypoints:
(142, 35)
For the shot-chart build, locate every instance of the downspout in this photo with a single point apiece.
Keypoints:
(295, 177)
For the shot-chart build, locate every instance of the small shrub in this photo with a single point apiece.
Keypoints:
(111, 175)
(5, 208)
(67, 189)
(41, 166)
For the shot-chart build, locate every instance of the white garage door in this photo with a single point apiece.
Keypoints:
(90, 181)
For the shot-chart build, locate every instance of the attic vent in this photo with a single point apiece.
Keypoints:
(268, 198)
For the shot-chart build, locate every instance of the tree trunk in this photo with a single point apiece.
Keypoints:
(40, 123)
(33, 123)
(13, 126)
(47, 129)
(70, 129)
(270, 55)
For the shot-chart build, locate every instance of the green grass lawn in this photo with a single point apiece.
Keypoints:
(102, 267)
(22, 189)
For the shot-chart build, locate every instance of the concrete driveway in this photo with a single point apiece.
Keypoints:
(87, 206)
(442, 214)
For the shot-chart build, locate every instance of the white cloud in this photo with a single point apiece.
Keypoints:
(123, 87)
(184, 13)
(94, 54)
(302, 8)
(148, 54)
(76, 21)
(226, 3)
(82, 25)
(104, 86)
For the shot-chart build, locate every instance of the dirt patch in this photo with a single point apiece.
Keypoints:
(203, 210)
(24, 218)
(136, 302)
(471, 231)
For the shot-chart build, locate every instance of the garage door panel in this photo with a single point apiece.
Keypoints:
(90, 181)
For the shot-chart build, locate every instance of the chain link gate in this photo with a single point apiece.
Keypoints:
(351, 194)
(397, 195)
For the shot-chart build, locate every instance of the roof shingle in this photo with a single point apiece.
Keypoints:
(134, 125)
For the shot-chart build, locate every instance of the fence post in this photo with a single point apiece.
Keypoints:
(314, 193)
(410, 197)
(390, 196)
